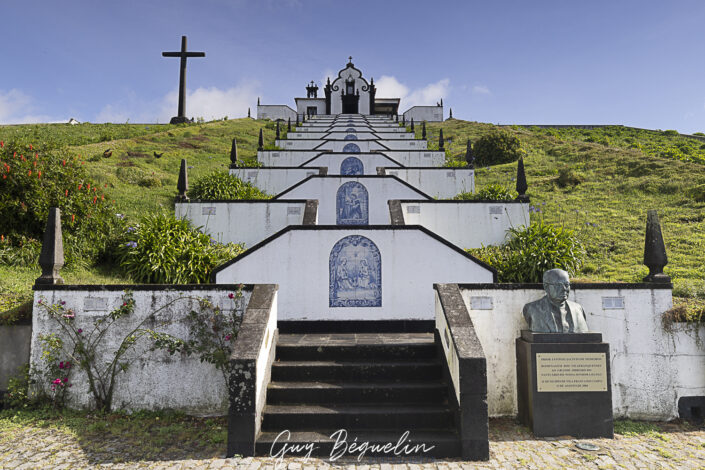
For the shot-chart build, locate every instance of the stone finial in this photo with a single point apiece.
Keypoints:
(522, 186)
(655, 257)
(278, 135)
(182, 184)
(403, 120)
(288, 125)
(297, 119)
(303, 117)
(423, 130)
(441, 101)
(469, 156)
(441, 142)
(51, 258)
(412, 124)
(233, 152)
(258, 101)
(450, 116)
(248, 113)
(396, 118)
(260, 143)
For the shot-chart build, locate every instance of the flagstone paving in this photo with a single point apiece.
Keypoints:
(677, 446)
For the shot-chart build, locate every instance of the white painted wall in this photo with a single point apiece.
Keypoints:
(337, 145)
(275, 111)
(302, 105)
(273, 180)
(370, 162)
(297, 260)
(285, 158)
(443, 183)
(339, 134)
(424, 113)
(247, 222)
(651, 368)
(379, 188)
(467, 224)
(154, 380)
(413, 158)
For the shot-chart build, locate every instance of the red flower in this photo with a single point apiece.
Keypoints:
(94, 199)
(35, 163)
(36, 156)
(2, 144)
(30, 173)
(64, 162)
(102, 197)
(73, 217)
(40, 174)
(4, 177)
(66, 193)
(80, 185)
(30, 146)
(88, 187)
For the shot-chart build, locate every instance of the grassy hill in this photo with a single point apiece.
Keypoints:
(599, 182)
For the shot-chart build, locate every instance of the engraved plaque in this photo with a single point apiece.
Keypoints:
(613, 303)
(450, 174)
(496, 210)
(481, 303)
(208, 210)
(293, 210)
(427, 155)
(298, 135)
(413, 144)
(95, 304)
(413, 209)
(571, 372)
(289, 144)
(275, 154)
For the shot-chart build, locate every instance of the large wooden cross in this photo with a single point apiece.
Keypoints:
(182, 78)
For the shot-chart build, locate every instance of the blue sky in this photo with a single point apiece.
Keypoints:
(638, 63)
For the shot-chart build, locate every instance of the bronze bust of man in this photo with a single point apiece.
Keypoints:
(554, 313)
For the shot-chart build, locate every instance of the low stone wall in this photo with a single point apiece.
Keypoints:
(154, 379)
(442, 183)
(275, 111)
(424, 113)
(652, 366)
(14, 351)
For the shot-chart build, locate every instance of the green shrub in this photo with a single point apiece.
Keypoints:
(699, 133)
(670, 132)
(18, 389)
(533, 250)
(569, 177)
(166, 250)
(219, 185)
(491, 192)
(31, 183)
(496, 148)
(150, 181)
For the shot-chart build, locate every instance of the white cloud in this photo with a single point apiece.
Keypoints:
(429, 95)
(16, 107)
(208, 103)
(481, 90)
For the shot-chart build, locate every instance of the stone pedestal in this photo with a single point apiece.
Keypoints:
(563, 384)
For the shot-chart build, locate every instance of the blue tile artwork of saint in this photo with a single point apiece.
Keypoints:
(352, 204)
(352, 166)
(355, 269)
(351, 148)
(350, 137)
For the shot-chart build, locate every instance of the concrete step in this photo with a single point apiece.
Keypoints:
(282, 393)
(363, 417)
(333, 444)
(381, 371)
(359, 346)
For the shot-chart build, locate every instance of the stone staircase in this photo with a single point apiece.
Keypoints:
(375, 386)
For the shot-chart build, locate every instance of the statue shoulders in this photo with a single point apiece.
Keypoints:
(540, 304)
(574, 306)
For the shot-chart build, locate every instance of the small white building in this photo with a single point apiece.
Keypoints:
(348, 93)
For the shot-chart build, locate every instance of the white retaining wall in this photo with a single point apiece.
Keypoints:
(370, 162)
(468, 224)
(275, 111)
(298, 260)
(424, 113)
(651, 367)
(274, 180)
(380, 189)
(443, 183)
(247, 222)
(154, 380)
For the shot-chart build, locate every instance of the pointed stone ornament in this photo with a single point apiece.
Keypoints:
(412, 124)
(278, 135)
(51, 258)
(288, 125)
(248, 113)
(655, 257)
(182, 184)
(297, 120)
(441, 101)
(403, 120)
(450, 116)
(303, 118)
(260, 143)
(469, 156)
(233, 153)
(396, 118)
(522, 185)
(441, 142)
(423, 130)
(258, 101)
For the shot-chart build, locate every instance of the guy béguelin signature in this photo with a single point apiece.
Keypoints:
(342, 447)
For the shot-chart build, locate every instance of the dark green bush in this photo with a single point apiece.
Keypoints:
(219, 186)
(496, 148)
(31, 183)
(569, 177)
(166, 250)
(533, 250)
(670, 132)
(491, 192)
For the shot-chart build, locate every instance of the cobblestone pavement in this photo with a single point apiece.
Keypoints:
(675, 446)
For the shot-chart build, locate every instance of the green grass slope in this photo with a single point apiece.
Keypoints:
(611, 176)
